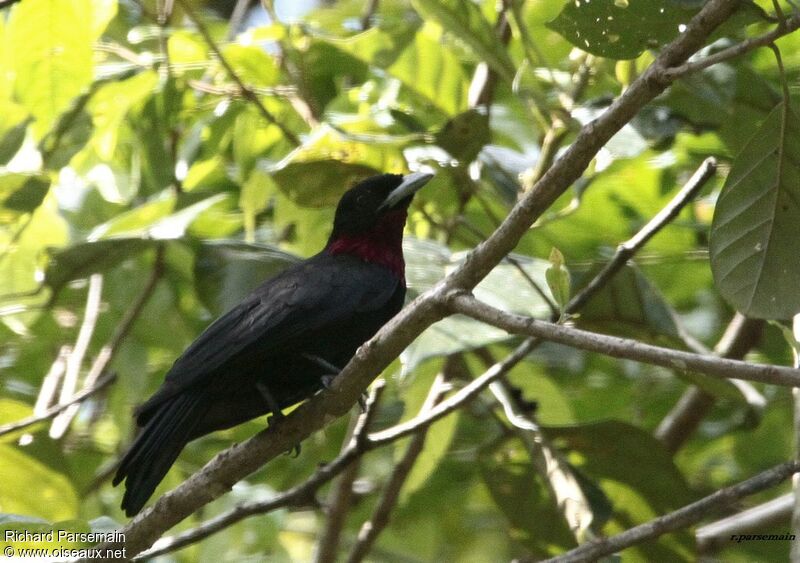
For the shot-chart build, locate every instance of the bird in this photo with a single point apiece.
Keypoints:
(286, 340)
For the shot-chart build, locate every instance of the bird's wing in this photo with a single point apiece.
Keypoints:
(305, 297)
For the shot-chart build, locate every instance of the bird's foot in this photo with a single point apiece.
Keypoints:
(274, 407)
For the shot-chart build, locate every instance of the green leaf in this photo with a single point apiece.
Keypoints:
(253, 199)
(439, 435)
(109, 107)
(52, 44)
(421, 63)
(37, 490)
(504, 287)
(12, 141)
(522, 496)
(753, 239)
(137, 221)
(21, 193)
(630, 306)
(252, 140)
(252, 64)
(558, 278)
(636, 474)
(81, 260)
(463, 18)
(621, 30)
(465, 135)
(319, 172)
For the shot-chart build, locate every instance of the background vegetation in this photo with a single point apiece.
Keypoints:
(159, 161)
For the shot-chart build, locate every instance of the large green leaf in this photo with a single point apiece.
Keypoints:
(463, 18)
(637, 475)
(522, 496)
(37, 490)
(621, 30)
(421, 63)
(52, 45)
(319, 172)
(754, 232)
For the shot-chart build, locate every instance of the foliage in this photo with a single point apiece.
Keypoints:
(128, 150)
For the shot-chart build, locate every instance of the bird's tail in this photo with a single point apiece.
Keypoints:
(156, 448)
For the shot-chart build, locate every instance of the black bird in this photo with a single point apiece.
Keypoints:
(281, 344)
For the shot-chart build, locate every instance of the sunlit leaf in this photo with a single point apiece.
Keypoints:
(51, 67)
(38, 490)
(463, 18)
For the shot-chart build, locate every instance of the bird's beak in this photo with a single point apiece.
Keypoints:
(407, 188)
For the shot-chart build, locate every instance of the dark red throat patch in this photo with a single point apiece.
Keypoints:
(383, 244)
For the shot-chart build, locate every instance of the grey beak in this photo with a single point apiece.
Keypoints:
(409, 186)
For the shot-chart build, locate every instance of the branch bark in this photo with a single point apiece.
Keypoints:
(466, 304)
(679, 519)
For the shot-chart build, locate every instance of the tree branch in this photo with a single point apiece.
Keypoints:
(680, 518)
(391, 492)
(790, 25)
(341, 497)
(75, 360)
(680, 423)
(615, 347)
(627, 249)
(776, 511)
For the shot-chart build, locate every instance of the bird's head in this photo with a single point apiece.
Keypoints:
(370, 218)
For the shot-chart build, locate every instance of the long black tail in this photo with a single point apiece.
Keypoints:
(156, 448)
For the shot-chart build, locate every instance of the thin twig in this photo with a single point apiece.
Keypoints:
(741, 335)
(627, 249)
(712, 536)
(739, 49)
(391, 492)
(679, 519)
(457, 399)
(247, 93)
(54, 410)
(370, 8)
(339, 501)
(75, 359)
(613, 346)
(559, 477)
